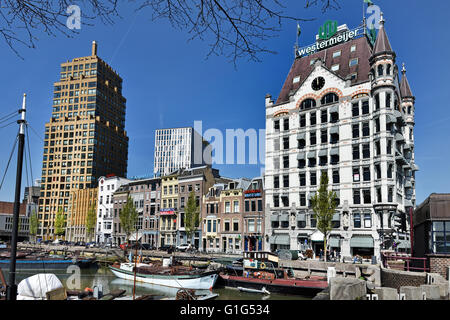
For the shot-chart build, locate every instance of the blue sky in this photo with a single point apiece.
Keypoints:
(168, 82)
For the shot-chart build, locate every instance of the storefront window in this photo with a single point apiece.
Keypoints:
(440, 237)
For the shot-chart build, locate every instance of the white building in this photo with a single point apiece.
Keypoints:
(105, 215)
(343, 110)
(179, 148)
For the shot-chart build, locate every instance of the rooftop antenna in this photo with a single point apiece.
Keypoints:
(299, 31)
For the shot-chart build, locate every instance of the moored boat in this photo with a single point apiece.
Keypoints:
(49, 263)
(260, 271)
(170, 276)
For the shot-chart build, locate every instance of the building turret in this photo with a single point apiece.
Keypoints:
(407, 106)
(383, 71)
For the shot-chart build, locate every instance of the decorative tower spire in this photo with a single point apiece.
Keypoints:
(382, 44)
(405, 89)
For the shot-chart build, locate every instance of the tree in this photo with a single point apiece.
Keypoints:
(191, 216)
(233, 28)
(91, 221)
(60, 223)
(324, 205)
(34, 222)
(128, 217)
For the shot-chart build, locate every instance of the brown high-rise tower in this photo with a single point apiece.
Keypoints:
(86, 136)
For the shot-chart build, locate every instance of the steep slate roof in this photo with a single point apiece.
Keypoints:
(382, 45)
(302, 66)
(405, 89)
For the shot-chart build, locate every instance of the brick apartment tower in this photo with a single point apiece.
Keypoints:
(85, 137)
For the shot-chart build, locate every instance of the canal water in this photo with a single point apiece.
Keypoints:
(88, 278)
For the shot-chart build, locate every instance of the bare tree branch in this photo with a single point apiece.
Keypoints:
(232, 28)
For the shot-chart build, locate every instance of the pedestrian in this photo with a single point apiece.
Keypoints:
(320, 254)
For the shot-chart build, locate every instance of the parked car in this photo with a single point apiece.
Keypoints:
(183, 247)
(168, 248)
(147, 246)
(91, 245)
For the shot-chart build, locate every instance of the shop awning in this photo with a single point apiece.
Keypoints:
(361, 242)
(301, 217)
(406, 147)
(323, 153)
(301, 156)
(336, 217)
(334, 242)
(398, 114)
(133, 236)
(408, 203)
(317, 236)
(334, 152)
(399, 137)
(274, 217)
(311, 154)
(404, 245)
(334, 109)
(280, 239)
(408, 184)
(334, 130)
(301, 136)
(284, 217)
(390, 118)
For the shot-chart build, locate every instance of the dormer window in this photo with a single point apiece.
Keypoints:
(353, 48)
(337, 54)
(335, 68)
(296, 79)
(353, 62)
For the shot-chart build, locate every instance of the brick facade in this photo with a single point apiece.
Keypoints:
(396, 279)
(440, 264)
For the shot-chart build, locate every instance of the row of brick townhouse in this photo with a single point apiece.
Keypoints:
(231, 211)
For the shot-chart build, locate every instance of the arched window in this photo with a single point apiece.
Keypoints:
(307, 104)
(330, 98)
(380, 70)
(388, 69)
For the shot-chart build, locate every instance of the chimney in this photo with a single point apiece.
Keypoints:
(94, 48)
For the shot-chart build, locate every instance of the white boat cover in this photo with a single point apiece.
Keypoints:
(35, 287)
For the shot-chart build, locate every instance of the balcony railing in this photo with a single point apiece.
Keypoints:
(405, 263)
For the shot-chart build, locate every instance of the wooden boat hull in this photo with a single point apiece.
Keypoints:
(304, 287)
(204, 281)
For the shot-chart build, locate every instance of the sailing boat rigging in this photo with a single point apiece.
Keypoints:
(11, 289)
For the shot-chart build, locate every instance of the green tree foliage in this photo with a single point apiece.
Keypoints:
(34, 222)
(324, 205)
(91, 221)
(60, 223)
(192, 216)
(128, 217)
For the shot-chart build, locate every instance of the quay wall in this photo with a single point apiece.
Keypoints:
(395, 278)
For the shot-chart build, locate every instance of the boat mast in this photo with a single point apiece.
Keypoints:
(11, 290)
(135, 265)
